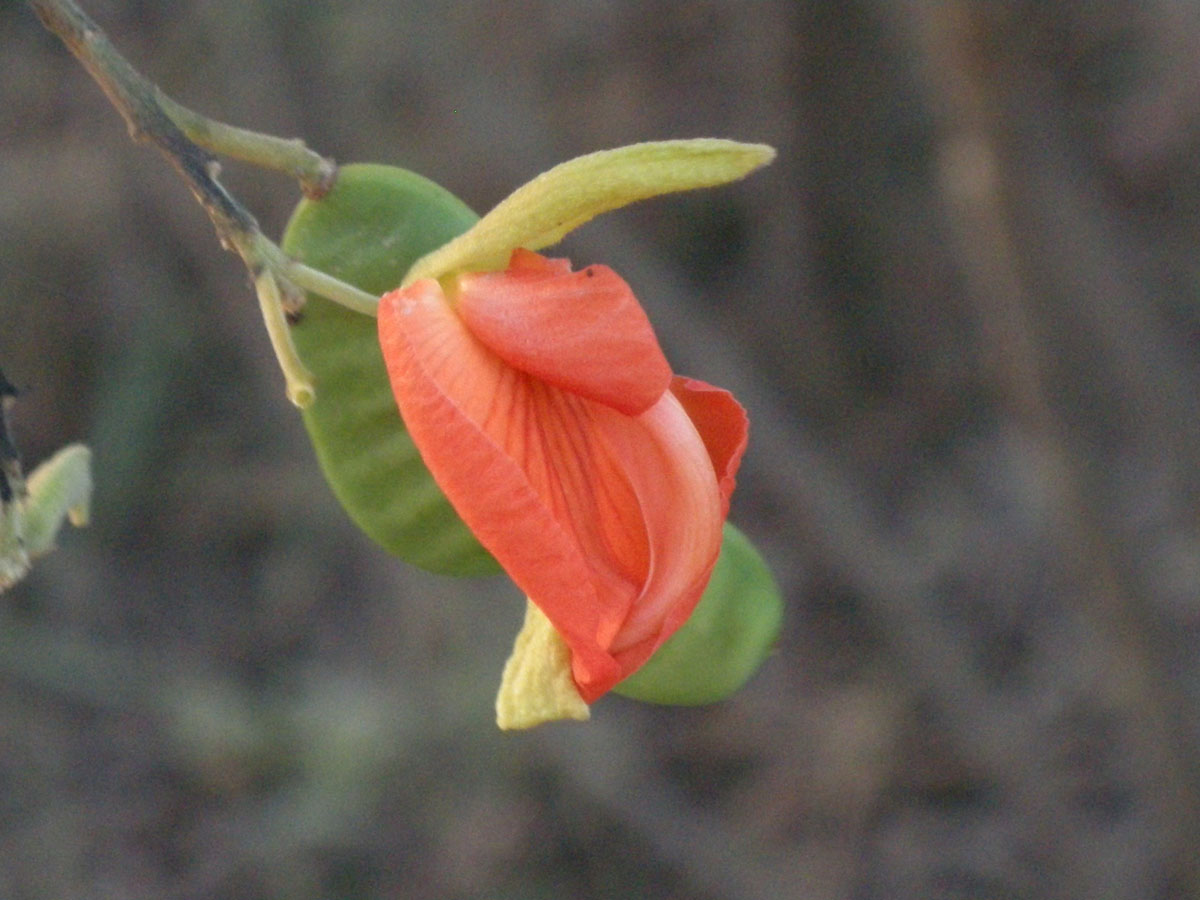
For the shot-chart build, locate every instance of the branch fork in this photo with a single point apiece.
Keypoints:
(190, 142)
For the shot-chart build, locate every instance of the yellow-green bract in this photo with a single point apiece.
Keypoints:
(368, 231)
(732, 630)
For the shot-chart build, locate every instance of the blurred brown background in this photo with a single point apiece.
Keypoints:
(962, 307)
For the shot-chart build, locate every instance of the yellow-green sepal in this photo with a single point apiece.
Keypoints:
(539, 213)
(367, 231)
(732, 630)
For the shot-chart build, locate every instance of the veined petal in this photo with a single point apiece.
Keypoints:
(611, 523)
(542, 211)
(583, 331)
(672, 475)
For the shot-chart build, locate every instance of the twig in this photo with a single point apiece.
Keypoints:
(315, 173)
(186, 139)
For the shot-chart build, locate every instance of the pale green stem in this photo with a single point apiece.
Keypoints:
(315, 173)
(296, 275)
(299, 380)
(330, 288)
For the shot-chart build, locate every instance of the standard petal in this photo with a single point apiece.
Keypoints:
(609, 522)
(723, 426)
(583, 331)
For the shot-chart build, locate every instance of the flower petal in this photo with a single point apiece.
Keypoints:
(672, 475)
(723, 426)
(540, 212)
(583, 331)
(611, 523)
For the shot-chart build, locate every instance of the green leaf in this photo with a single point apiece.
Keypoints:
(368, 231)
(730, 633)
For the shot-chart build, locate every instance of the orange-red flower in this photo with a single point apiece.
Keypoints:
(544, 408)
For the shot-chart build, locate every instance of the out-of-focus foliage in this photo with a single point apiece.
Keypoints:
(32, 512)
(961, 308)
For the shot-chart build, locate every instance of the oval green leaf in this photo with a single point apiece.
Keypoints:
(368, 230)
(730, 633)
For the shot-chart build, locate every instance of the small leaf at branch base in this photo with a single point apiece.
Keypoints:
(60, 488)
